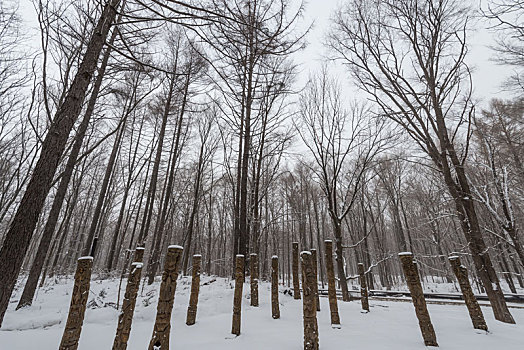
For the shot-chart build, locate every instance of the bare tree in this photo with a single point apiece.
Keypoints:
(408, 56)
(344, 144)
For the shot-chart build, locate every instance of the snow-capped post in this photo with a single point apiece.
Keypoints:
(332, 292)
(275, 308)
(417, 294)
(471, 302)
(77, 308)
(315, 269)
(237, 300)
(166, 299)
(139, 254)
(125, 319)
(309, 302)
(296, 281)
(253, 267)
(363, 287)
(195, 288)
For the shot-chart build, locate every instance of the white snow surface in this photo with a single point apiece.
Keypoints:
(389, 325)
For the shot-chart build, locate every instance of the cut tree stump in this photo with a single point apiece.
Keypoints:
(125, 319)
(237, 300)
(419, 302)
(253, 267)
(195, 288)
(77, 308)
(475, 313)
(309, 302)
(296, 281)
(166, 299)
(363, 288)
(332, 291)
(275, 307)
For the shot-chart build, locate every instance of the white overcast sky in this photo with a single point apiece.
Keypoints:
(487, 75)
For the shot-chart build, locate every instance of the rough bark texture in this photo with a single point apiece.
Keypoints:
(125, 319)
(309, 303)
(363, 288)
(253, 266)
(315, 269)
(77, 309)
(471, 302)
(166, 299)
(419, 302)
(275, 308)
(332, 292)
(17, 239)
(296, 281)
(195, 288)
(237, 301)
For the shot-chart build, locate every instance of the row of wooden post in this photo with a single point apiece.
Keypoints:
(311, 304)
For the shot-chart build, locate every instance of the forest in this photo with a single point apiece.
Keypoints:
(130, 124)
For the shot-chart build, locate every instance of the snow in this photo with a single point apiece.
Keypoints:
(453, 257)
(197, 255)
(405, 253)
(389, 325)
(86, 258)
(175, 247)
(137, 265)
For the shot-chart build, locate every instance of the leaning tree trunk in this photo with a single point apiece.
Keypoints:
(17, 239)
(38, 263)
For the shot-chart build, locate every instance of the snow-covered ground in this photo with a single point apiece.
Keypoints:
(389, 325)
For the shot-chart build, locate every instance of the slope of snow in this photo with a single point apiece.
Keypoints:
(389, 325)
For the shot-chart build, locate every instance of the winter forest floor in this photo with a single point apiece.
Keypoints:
(389, 325)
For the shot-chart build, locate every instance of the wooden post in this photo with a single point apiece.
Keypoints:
(315, 269)
(475, 313)
(125, 319)
(253, 267)
(363, 288)
(195, 288)
(166, 299)
(77, 308)
(296, 281)
(237, 301)
(332, 292)
(275, 308)
(309, 303)
(139, 254)
(417, 294)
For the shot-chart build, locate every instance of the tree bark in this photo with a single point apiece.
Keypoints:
(332, 291)
(195, 287)
(363, 288)
(475, 313)
(296, 281)
(237, 300)
(419, 302)
(125, 319)
(77, 309)
(315, 269)
(275, 307)
(18, 238)
(254, 272)
(166, 299)
(309, 303)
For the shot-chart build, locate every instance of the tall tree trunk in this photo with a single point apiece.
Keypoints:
(20, 233)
